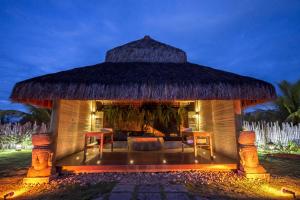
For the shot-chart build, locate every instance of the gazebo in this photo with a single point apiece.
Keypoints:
(133, 75)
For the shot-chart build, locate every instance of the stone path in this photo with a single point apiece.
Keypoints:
(148, 192)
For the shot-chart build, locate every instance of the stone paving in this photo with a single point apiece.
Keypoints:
(147, 192)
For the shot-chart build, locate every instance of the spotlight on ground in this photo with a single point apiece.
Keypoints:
(11, 194)
(288, 191)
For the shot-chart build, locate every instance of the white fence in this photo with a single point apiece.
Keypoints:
(273, 132)
(13, 134)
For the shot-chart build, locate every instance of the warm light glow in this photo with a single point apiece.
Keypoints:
(10, 194)
(164, 161)
(274, 191)
(87, 153)
(219, 167)
(131, 161)
(98, 162)
(77, 158)
(214, 156)
(93, 115)
(196, 161)
(94, 150)
(204, 152)
(17, 193)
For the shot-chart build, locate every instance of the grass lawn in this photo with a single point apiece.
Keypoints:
(281, 166)
(14, 163)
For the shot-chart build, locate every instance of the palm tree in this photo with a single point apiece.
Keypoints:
(38, 115)
(288, 104)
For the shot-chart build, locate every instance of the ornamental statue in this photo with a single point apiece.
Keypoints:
(249, 163)
(41, 165)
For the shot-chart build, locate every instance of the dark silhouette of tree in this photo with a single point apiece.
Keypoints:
(288, 104)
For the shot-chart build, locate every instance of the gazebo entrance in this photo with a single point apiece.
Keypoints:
(140, 144)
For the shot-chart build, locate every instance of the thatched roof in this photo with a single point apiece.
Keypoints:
(156, 79)
(146, 50)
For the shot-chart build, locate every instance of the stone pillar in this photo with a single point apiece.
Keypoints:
(41, 166)
(249, 163)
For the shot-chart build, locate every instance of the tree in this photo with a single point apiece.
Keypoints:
(38, 115)
(288, 104)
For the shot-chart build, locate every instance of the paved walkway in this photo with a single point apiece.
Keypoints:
(148, 192)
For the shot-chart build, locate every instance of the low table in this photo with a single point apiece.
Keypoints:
(100, 136)
(143, 143)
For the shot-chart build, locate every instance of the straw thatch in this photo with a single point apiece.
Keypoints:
(146, 50)
(149, 80)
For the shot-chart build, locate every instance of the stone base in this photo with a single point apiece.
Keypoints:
(254, 170)
(39, 173)
(263, 176)
(36, 180)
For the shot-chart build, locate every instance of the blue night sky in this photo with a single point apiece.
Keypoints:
(259, 38)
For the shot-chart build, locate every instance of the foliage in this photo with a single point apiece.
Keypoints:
(7, 115)
(34, 115)
(13, 134)
(262, 115)
(281, 134)
(13, 161)
(37, 115)
(289, 103)
(292, 146)
(286, 107)
(146, 115)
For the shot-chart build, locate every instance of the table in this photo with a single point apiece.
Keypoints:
(100, 136)
(144, 143)
(195, 135)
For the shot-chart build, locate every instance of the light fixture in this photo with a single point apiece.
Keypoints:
(98, 162)
(77, 158)
(214, 156)
(196, 161)
(87, 153)
(164, 161)
(131, 161)
(10, 194)
(288, 191)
